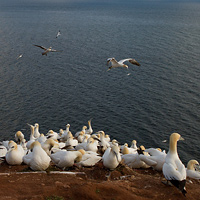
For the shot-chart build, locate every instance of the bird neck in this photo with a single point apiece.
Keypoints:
(173, 146)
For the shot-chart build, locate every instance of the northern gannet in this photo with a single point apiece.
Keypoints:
(64, 159)
(46, 50)
(134, 161)
(91, 145)
(83, 144)
(49, 144)
(20, 56)
(37, 160)
(19, 136)
(88, 158)
(111, 158)
(83, 129)
(193, 169)
(32, 138)
(89, 130)
(53, 135)
(36, 130)
(64, 136)
(173, 169)
(120, 63)
(104, 144)
(156, 158)
(71, 141)
(15, 154)
(58, 34)
(42, 138)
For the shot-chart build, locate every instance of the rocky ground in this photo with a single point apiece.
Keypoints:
(98, 183)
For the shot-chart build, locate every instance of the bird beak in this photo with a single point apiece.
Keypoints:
(181, 138)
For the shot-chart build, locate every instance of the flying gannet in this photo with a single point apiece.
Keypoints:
(58, 34)
(46, 50)
(120, 63)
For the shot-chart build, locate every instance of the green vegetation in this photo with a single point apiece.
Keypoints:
(54, 197)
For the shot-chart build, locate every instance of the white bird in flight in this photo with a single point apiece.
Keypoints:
(20, 56)
(120, 63)
(58, 34)
(46, 50)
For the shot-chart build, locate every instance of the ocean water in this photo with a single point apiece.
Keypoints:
(158, 98)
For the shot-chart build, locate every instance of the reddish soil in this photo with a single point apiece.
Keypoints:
(98, 183)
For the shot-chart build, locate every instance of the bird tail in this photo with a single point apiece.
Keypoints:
(180, 185)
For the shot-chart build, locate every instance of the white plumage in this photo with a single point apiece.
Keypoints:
(15, 154)
(120, 63)
(64, 159)
(173, 169)
(111, 158)
(37, 160)
(193, 169)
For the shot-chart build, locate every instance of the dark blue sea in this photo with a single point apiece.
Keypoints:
(145, 103)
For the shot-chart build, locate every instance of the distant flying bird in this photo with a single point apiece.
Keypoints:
(19, 56)
(120, 63)
(46, 50)
(58, 34)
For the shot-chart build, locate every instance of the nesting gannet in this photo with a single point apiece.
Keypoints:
(193, 169)
(15, 154)
(37, 160)
(81, 137)
(49, 144)
(53, 135)
(134, 161)
(64, 135)
(36, 130)
(71, 141)
(156, 158)
(42, 138)
(128, 150)
(91, 145)
(103, 143)
(46, 50)
(173, 169)
(88, 158)
(83, 129)
(19, 136)
(111, 158)
(120, 63)
(64, 159)
(58, 34)
(83, 144)
(32, 138)
(89, 130)
(134, 144)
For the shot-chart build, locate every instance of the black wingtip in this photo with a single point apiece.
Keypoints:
(180, 185)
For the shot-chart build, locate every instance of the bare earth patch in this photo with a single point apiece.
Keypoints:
(98, 183)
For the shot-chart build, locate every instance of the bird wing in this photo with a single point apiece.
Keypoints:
(111, 60)
(131, 60)
(53, 50)
(193, 174)
(148, 160)
(40, 47)
(172, 173)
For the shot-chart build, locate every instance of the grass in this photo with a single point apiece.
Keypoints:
(54, 197)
